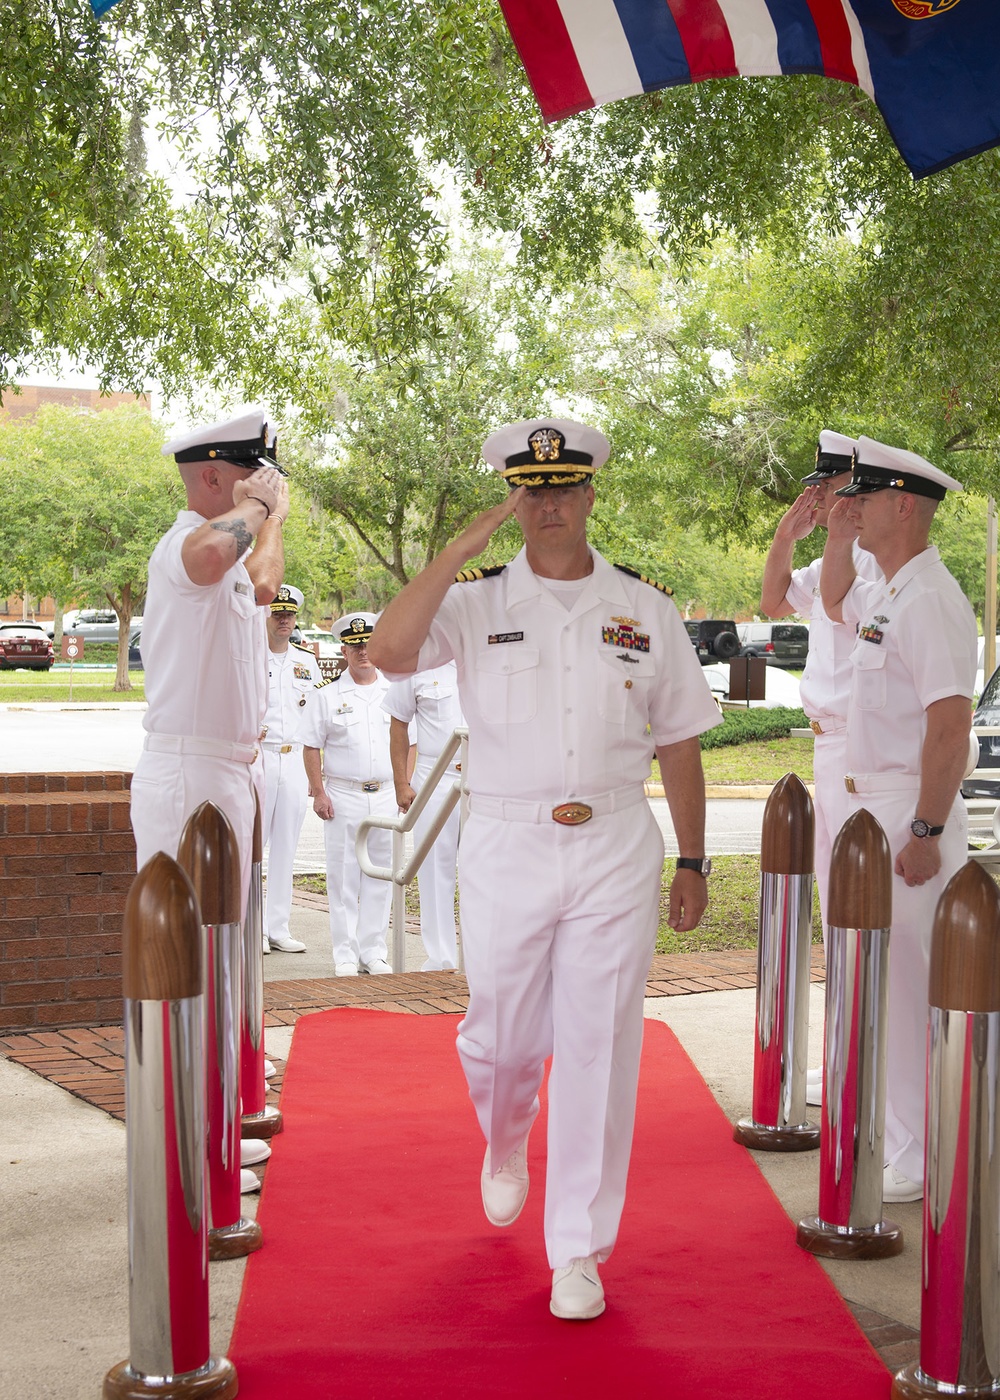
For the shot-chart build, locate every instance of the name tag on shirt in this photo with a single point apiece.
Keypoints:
(243, 588)
(496, 637)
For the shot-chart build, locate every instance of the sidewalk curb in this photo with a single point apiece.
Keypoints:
(747, 791)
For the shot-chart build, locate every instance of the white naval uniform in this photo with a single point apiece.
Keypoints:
(204, 649)
(347, 723)
(824, 690)
(916, 644)
(429, 702)
(559, 682)
(292, 677)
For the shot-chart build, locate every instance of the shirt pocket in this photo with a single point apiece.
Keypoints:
(623, 686)
(506, 684)
(868, 661)
(242, 618)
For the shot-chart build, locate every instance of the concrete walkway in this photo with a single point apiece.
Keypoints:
(63, 1271)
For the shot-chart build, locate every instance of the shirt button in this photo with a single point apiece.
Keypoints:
(569, 753)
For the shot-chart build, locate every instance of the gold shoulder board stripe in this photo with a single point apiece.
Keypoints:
(634, 573)
(474, 575)
(321, 684)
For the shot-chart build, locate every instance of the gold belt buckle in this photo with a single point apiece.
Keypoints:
(572, 813)
(849, 785)
(458, 768)
(815, 726)
(285, 748)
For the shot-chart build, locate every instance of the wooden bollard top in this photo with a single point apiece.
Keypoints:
(965, 943)
(257, 851)
(161, 934)
(210, 854)
(787, 835)
(860, 893)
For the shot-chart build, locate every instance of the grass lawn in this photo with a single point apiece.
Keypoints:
(26, 687)
(730, 921)
(763, 762)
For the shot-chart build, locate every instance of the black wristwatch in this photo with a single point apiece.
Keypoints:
(921, 828)
(702, 865)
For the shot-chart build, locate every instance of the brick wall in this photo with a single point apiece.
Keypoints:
(67, 859)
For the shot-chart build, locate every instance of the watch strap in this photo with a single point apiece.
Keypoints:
(700, 863)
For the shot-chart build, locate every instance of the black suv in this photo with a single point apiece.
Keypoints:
(714, 639)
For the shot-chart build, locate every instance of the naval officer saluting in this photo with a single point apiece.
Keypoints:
(571, 673)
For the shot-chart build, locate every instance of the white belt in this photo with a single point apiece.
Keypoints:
(281, 748)
(356, 785)
(882, 782)
(202, 748)
(827, 725)
(515, 809)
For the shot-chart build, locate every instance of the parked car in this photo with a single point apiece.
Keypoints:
(987, 713)
(25, 645)
(94, 624)
(779, 643)
(328, 643)
(781, 691)
(714, 639)
(134, 653)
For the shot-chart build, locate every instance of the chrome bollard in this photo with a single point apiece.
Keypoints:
(778, 1122)
(850, 1224)
(960, 1276)
(163, 987)
(260, 1119)
(209, 852)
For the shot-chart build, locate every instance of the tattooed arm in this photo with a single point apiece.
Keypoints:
(211, 551)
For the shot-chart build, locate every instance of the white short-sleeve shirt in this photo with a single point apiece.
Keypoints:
(204, 647)
(826, 680)
(916, 643)
(292, 676)
(567, 702)
(348, 723)
(429, 703)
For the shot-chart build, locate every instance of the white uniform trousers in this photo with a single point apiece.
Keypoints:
(913, 909)
(831, 807)
(559, 925)
(359, 905)
(286, 796)
(436, 880)
(166, 790)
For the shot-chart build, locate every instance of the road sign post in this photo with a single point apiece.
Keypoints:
(72, 650)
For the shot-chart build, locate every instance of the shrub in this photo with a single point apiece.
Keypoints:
(748, 726)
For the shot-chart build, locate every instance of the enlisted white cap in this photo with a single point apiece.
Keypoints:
(879, 467)
(541, 452)
(355, 628)
(287, 599)
(834, 456)
(245, 440)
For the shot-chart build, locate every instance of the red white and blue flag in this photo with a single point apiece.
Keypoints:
(932, 66)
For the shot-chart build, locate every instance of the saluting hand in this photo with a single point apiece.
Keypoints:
(840, 522)
(263, 485)
(475, 537)
(799, 519)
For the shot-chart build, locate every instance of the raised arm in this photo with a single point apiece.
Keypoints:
(798, 521)
(838, 560)
(209, 552)
(402, 629)
(266, 564)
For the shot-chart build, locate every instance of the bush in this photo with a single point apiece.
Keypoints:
(745, 726)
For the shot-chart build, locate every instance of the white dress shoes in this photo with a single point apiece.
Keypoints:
(377, 967)
(505, 1193)
(269, 1070)
(267, 946)
(577, 1291)
(286, 945)
(249, 1181)
(899, 1188)
(346, 969)
(253, 1150)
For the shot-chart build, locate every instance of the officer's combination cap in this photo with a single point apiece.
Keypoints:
(247, 440)
(878, 467)
(834, 456)
(355, 628)
(546, 452)
(287, 599)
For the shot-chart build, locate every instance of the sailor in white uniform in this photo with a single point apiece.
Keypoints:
(571, 673)
(293, 675)
(347, 762)
(428, 703)
(912, 676)
(827, 675)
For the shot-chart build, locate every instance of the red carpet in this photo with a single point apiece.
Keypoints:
(381, 1277)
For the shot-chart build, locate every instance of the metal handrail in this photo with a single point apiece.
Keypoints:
(402, 871)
